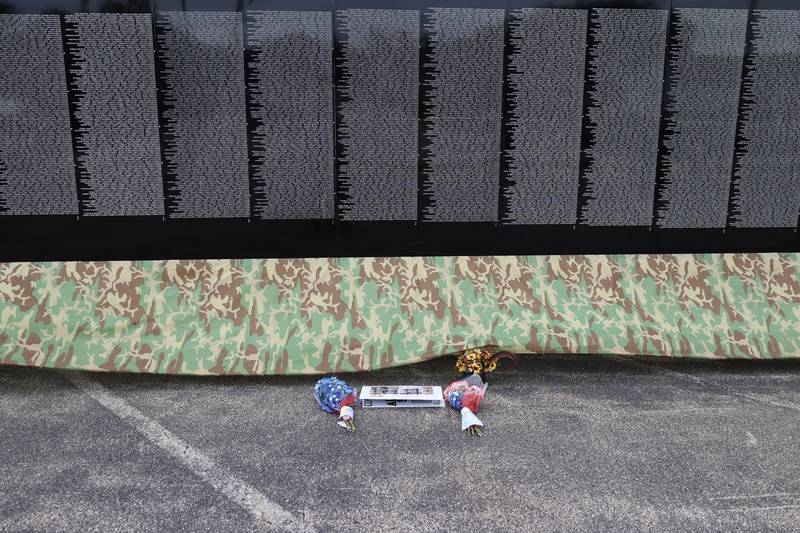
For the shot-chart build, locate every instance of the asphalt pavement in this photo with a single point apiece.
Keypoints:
(571, 443)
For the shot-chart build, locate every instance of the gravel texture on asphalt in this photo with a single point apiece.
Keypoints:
(578, 443)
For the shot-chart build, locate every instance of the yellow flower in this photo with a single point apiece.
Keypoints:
(476, 361)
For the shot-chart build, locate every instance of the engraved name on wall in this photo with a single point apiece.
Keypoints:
(705, 60)
(626, 66)
(204, 125)
(398, 115)
(37, 169)
(290, 80)
(462, 117)
(112, 78)
(766, 186)
(377, 98)
(546, 67)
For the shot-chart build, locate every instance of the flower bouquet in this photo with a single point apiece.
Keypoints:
(481, 361)
(337, 397)
(465, 396)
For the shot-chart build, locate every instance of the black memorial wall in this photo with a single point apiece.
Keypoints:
(200, 129)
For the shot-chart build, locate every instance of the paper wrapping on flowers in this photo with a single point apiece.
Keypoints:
(337, 397)
(345, 413)
(465, 396)
(468, 419)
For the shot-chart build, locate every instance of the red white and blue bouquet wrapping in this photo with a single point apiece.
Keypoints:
(465, 396)
(337, 397)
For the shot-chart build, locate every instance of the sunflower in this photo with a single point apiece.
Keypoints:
(476, 361)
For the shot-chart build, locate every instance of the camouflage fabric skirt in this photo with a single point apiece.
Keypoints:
(305, 316)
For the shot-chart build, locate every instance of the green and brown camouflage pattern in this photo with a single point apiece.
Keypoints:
(305, 316)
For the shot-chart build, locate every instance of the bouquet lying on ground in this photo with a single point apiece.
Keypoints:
(337, 397)
(465, 395)
(481, 361)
